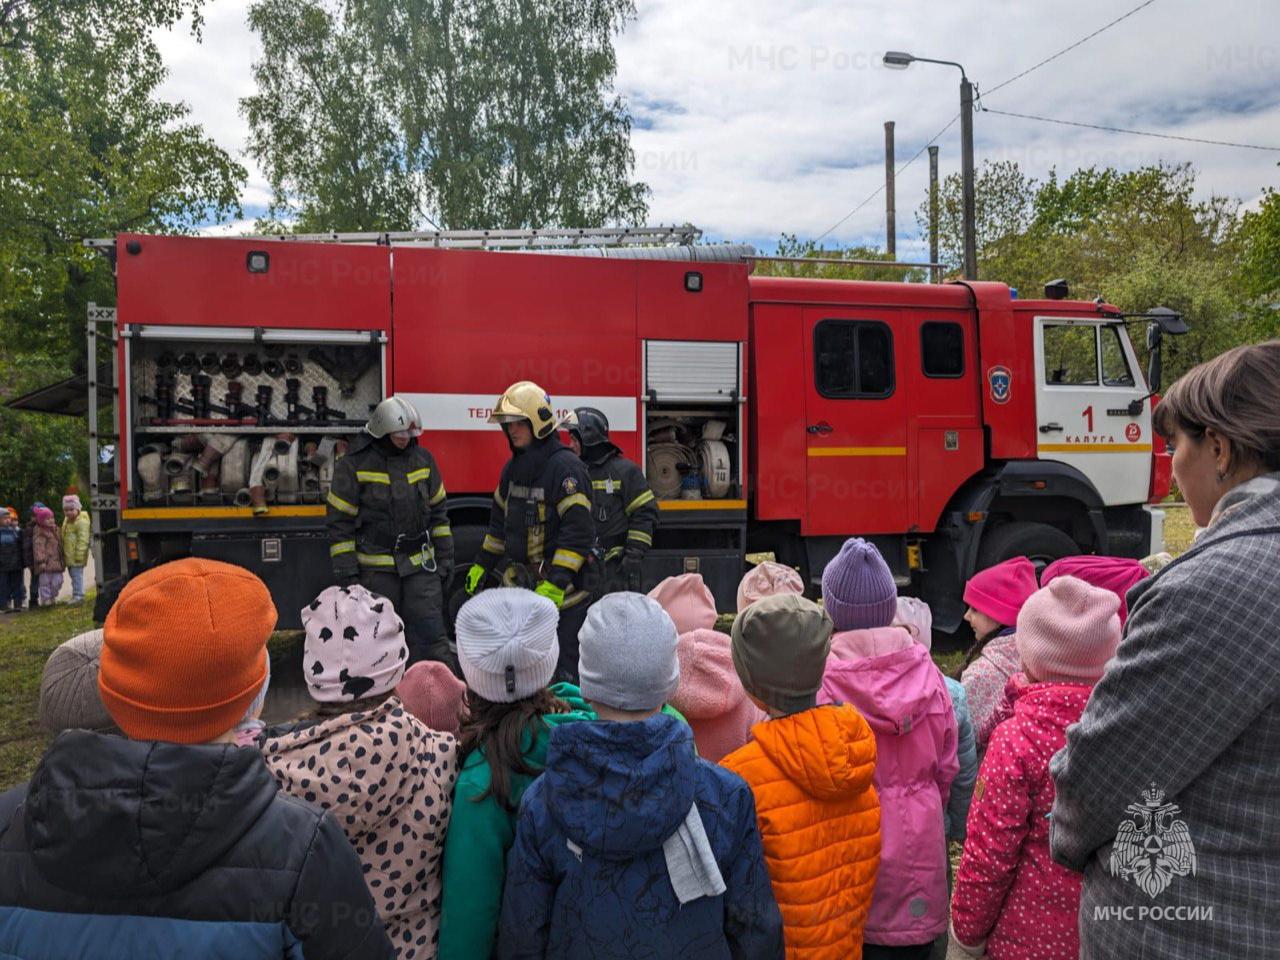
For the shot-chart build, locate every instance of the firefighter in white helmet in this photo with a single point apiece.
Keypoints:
(389, 528)
(541, 534)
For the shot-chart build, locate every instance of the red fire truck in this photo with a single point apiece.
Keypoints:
(951, 424)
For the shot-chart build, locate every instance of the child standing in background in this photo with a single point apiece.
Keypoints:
(12, 588)
(76, 539)
(46, 549)
(994, 596)
(1011, 899)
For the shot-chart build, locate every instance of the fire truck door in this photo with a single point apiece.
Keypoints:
(1091, 407)
(855, 422)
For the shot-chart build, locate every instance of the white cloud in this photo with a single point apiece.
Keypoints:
(755, 117)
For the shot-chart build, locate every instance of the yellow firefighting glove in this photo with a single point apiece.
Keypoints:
(474, 576)
(553, 593)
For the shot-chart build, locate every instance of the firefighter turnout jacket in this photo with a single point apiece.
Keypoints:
(541, 517)
(626, 512)
(386, 511)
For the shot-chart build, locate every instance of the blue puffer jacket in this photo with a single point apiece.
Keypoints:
(142, 850)
(588, 879)
(956, 815)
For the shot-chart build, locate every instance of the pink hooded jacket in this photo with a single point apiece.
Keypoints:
(1008, 890)
(710, 695)
(892, 681)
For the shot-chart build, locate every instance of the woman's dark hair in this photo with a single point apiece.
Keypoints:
(1235, 395)
(327, 711)
(498, 729)
(975, 651)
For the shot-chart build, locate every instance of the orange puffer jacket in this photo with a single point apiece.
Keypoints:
(820, 821)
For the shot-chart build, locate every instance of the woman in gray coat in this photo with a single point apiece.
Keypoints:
(1168, 791)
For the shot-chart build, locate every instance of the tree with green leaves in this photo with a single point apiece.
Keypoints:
(469, 114)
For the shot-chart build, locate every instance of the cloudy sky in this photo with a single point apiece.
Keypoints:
(753, 118)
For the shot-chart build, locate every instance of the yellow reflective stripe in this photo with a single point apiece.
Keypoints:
(577, 500)
(641, 536)
(536, 541)
(567, 558)
(613, 553)
(440, 495)
(372, 476)
(444, 530)
(499, 498)
(573, 597)
(376, 559)
(640, 501)
(493, 545)
(601, 484)
(416, 558)
(338, 503)
(343, 546)
(416, 475)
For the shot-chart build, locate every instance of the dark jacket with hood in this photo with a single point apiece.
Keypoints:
(379, 494)
(541, 515)
(142, 850)
(588, 876)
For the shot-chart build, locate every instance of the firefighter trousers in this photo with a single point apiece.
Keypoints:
(419, 600)
(571, 621)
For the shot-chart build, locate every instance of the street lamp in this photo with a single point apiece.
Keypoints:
(897, 60)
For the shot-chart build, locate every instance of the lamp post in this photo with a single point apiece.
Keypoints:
(898, 60)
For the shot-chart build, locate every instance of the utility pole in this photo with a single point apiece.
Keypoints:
(933, 210)
(966, 175)
(890, 205)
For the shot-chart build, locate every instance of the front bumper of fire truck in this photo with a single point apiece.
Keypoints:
(1157, 529)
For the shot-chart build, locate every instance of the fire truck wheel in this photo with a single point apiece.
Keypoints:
(1038, 542)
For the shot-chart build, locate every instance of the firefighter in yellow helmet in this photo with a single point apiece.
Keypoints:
(389, 527)
(541, 532)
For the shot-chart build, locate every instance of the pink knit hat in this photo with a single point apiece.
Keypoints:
(917, 617)
(1068, 631)
(765, 580)
(1000, 591)
(687, 601)
(355, 646)
(1116, 574)
(431, 692)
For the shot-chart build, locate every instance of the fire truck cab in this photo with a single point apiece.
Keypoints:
(953, 425)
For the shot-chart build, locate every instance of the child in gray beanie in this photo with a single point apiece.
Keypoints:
(629, 844)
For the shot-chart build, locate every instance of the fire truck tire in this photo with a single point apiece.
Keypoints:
(1039, 542)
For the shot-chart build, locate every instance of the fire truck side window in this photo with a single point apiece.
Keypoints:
(1071, 354)
(942, 349)
(1115, 366)
(853, 359)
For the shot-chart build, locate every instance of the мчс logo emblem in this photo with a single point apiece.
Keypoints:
(1001, 380)
(1153, 847)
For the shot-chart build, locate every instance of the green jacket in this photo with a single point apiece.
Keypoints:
(75, 540)
(480, 836)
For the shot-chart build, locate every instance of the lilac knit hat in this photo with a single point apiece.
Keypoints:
(355, 645)
(857, 588)
(1068, 631)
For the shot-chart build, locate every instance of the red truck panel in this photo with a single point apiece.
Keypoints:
(665, 310)
(1008, 372)
(199, 281)
(776, 455)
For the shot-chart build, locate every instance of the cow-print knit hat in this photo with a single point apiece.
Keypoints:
(355, 645)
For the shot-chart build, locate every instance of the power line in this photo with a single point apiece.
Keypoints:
(880, 189)
(1083, 40)
(1136, 133)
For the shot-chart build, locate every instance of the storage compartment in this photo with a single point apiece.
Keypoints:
(693, 419)
(236, 417)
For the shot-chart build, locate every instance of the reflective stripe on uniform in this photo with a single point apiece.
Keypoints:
(577, 499)
(416, 475)
(602, 485)
(536, 541)
(444, 530)
(376, 559)
(569, 559)
(493, 545)
(440, 495)
(640, 537)
(372, 476)
(416, 558)
(338, 503)
(499, 499)
(573, 597)
(615, 551)
(342, 546)
(640, 501)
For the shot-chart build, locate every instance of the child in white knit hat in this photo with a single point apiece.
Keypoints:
(508, 649)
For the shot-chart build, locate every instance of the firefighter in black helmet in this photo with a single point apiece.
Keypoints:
(541, 534)
(388, 526)
(626, 512)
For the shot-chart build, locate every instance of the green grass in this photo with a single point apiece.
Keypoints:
(26, 640)
(1179, 531)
